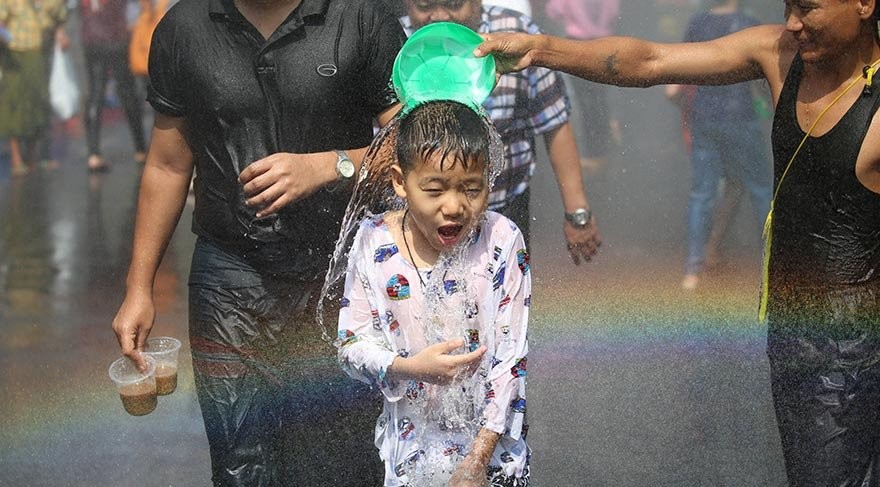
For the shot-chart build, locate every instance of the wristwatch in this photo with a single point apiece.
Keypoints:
(579, 218)
(344, 170)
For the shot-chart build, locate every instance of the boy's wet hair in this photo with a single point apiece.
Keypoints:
(448, 128)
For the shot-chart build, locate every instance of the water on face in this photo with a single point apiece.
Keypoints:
(373, 194)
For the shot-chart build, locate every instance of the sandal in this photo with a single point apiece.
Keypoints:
(97, 164)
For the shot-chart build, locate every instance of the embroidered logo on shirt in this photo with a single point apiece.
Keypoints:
(327, 70)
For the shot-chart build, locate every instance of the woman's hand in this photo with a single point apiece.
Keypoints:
(513, 51)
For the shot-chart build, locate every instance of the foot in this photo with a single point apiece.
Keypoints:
(690, 282)
(140, 157)
(97, 163)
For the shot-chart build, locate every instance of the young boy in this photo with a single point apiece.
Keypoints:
(435, 312)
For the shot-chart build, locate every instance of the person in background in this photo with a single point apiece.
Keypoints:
(522, 6)
(24, 90)
(523, 106)
(150, 12)
(105, 41)
(273, 104)
(821, 284)
(590, 19)
(725, 134)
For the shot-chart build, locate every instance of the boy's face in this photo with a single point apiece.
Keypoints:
(444, 205)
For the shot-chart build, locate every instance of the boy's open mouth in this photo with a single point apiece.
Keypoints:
(449, 233)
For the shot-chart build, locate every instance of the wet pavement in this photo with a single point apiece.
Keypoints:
(632, 381)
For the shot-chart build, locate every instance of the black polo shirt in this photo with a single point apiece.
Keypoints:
(315, 85)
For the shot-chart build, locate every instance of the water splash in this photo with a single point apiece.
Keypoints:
(373, 194)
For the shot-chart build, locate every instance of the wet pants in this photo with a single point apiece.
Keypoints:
(277, 408)
(827, 398)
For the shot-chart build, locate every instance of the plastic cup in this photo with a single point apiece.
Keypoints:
(136, 389)
(437, 63)
(164, 350)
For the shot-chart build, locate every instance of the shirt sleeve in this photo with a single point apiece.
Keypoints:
(166, 93)
(384, 38)
(506, 396)
(364, 351)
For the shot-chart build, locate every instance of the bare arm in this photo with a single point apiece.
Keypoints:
(627, 61)
(565, 159)
(471, 472)
(163, 192)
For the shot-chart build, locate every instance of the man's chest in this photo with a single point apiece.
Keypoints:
(304, 73)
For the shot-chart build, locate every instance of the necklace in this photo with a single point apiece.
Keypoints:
(408, 250)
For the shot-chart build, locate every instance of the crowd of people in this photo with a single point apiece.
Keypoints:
(430, 363)
(113, 38)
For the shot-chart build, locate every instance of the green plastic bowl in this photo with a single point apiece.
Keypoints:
(437, 63)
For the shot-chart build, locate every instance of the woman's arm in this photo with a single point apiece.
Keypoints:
(628, 61)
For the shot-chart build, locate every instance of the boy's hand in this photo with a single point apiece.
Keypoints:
(435, 365)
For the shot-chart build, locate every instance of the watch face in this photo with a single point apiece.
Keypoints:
(579, 218)
(345, 167)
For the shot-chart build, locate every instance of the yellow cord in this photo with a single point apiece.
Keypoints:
(768, 223)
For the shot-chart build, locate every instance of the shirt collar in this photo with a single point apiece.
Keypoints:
(225, 10)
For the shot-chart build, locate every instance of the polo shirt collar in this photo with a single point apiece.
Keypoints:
(225, 10)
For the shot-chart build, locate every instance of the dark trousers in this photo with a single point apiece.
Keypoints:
(101, 61)
(278, 409)
(826, 393)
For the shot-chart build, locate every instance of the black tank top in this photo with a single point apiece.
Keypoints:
(825, 253)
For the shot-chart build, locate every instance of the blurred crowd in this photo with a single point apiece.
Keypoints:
(63, 61)
(105, 44)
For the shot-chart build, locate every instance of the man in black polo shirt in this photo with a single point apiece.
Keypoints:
(271, 102)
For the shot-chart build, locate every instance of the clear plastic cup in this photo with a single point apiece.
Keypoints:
(136, 389)
(164, 350)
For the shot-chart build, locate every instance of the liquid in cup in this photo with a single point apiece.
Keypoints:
(164, 350)
(136, 389)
